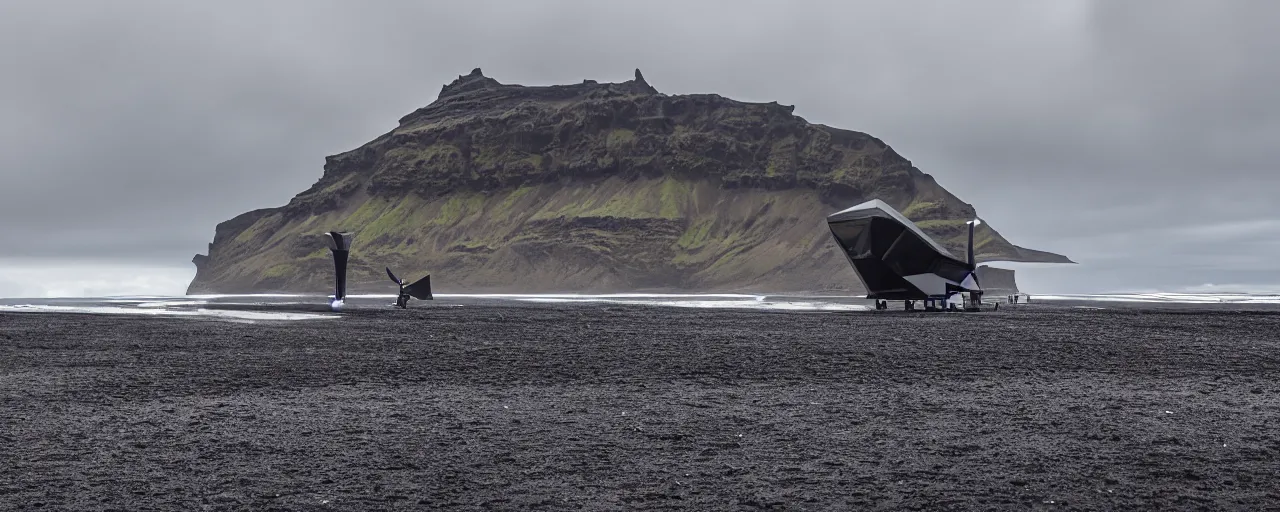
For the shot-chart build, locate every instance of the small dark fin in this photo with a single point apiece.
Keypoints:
(393, 277)
(421, 289)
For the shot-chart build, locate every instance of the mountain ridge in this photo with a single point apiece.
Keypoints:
(589, 187)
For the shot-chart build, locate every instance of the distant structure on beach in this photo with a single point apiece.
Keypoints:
(340, 247)
(997, 281)
(420, 289)
(895, 260)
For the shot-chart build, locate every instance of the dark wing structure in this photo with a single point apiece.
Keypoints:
(894, 259)
(420, 289)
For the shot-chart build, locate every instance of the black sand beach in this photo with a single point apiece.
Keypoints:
(606, 407)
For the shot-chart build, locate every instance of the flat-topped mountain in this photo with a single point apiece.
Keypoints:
(590, 187)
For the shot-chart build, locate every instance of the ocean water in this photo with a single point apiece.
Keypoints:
(287, 307)
(159, 306)
(1170, 298)
(311, 307)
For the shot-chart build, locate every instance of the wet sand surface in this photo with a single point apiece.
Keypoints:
(598, 407)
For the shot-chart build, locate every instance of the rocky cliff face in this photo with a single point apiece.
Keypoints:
(588, 187)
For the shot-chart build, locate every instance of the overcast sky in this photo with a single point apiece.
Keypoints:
(1140, 138)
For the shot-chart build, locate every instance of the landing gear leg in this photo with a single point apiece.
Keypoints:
(402, 299)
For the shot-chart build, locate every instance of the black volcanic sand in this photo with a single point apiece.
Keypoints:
(604, 408)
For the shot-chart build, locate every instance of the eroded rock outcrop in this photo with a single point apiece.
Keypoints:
(589, 187)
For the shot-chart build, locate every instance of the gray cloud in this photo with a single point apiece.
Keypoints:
(1111, 131)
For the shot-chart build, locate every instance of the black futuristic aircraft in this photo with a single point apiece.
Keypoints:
(895, 260)
(420, 289)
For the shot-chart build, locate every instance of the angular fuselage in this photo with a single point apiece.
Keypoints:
(894, 259)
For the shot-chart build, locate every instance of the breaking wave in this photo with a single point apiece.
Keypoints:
(151, 310)
(1168, 298)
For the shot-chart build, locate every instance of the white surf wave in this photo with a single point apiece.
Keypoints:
(691, 301)
(1169, 298)
(576, 296)
(162, 311)
(170, 303)
(197, 305)
(685, 300)
(250, 295)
